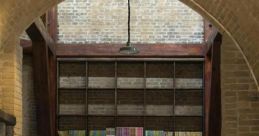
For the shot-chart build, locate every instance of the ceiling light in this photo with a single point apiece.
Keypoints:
(128, 49)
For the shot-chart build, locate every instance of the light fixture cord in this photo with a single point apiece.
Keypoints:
(128, 44)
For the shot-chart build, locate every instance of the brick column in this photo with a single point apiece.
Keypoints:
(10, 80)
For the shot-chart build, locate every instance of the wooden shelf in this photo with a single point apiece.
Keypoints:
(101, 88)
(139, 97)
(130, 115)
(189, 116)
(61, 88)
(70, 115)
(96, 115)
(130, 89)
(189, 89)
(188, 131)
(167, 89)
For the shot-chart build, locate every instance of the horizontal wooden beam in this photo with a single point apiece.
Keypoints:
(26, 45)
(7, 119)
(145, 50)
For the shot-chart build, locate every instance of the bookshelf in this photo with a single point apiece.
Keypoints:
(95, 94)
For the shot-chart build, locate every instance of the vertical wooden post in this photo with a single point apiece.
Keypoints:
(52, 23)
(215, 101)
(52, 88)
(213, 89)
(44, 67)
(207, 93)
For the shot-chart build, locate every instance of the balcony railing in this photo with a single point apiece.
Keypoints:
(7, 122)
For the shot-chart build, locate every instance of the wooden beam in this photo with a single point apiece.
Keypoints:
(52, 61)
(40, 28)
(100, 50)
(146, 50)
(212, 90)
(44, 19)
(209, 30)
(43, 87)
(26, 45)
(215, 101)
(207, 94)
(209, 35)
(52, 23)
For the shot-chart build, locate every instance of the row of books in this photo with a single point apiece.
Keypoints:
(97, 133)
(158, 133)
(72, 133)
(170, 133)
(107, 132)
(127, 131)
(188, 134)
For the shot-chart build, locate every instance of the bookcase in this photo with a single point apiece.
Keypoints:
(154, 93)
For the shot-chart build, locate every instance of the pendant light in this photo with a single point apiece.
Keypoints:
(128, 49)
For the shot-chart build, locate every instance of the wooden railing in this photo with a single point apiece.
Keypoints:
(7, 123)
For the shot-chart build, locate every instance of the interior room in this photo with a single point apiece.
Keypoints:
(129, 68)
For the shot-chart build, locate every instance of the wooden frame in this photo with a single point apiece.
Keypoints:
(52, 23)
(44, 57)
(213, 89)
(26, 45)
(146, 50)
(115, 61)
(43, 41)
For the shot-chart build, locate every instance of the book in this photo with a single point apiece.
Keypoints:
(72, 133)
(129, 131)
(97, 133)
(168, 133)
(158, 133)
(154, 133)
(110, 131)
(188, 133)
(63, 133)
(76, 133)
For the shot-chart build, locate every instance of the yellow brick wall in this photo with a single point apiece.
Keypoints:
(1, 97)
(240, 111)
(237, 19)
(82, 22)
(10, 82)
(29, 119)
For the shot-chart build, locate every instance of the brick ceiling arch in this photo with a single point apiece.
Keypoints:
(239, 20)
(236, 18)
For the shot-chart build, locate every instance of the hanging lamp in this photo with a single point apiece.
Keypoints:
(128, 49)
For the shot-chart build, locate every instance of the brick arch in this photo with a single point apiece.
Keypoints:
(16, 16)
(238, 20)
